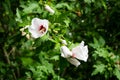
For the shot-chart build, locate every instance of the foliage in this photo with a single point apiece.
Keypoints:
(94, 21)
(106, 62)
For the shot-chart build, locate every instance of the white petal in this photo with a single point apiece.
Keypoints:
(36, 23)
(34, 28)
(33, 32)
(65, 52)
(74, 61)
(35, 35)
(62, 54)
(81, 52)
(82, 43)
(45, 23)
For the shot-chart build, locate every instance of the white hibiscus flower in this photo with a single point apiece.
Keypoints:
(80, 52)
(39, 27)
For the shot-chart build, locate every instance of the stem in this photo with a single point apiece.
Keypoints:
(64, 72)
(13, 55)
(6, 56)
(14, 75)
(18, 71)
(8, 61)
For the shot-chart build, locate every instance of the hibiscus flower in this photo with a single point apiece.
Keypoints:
(80, 52)
(39, 27)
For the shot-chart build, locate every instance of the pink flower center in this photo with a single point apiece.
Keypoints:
(42, 29)
(73, 55)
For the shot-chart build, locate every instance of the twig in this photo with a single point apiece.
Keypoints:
(64, 72)
(8, 61)
(6, 55)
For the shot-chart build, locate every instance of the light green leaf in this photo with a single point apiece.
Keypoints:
(104, 4)
(55, 58)
(18, 18)
(101, 41)
(32, 7)
(102, 52)
(88, 1)
(62, 5)
(117, 73)
(98, 69)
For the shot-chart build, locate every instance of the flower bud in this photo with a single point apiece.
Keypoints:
(64, 42)
(48, 8)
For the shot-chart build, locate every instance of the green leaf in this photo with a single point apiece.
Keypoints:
(98, 69)
(67, 21)
(26, 61)
(88, 1)
(101, 41)
(18, 18)
(95, 44)
(32, 7)
(56, 57)
(117, 73)
(104, 4)
(102, 52)
(62, 5)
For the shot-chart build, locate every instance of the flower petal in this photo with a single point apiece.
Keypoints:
(36, 23)
(34, 29)
(74, 61)
(81, 52)
(65, 52)
(33, 33)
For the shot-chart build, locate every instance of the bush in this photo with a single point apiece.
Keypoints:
(94, 21)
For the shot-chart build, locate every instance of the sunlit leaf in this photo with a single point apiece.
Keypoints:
(98, 69)
(117, 73)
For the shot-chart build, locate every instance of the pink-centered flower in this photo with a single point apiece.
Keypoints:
(39, 27)
(80, 52)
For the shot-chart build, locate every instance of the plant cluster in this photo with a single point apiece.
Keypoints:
(33, 33)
